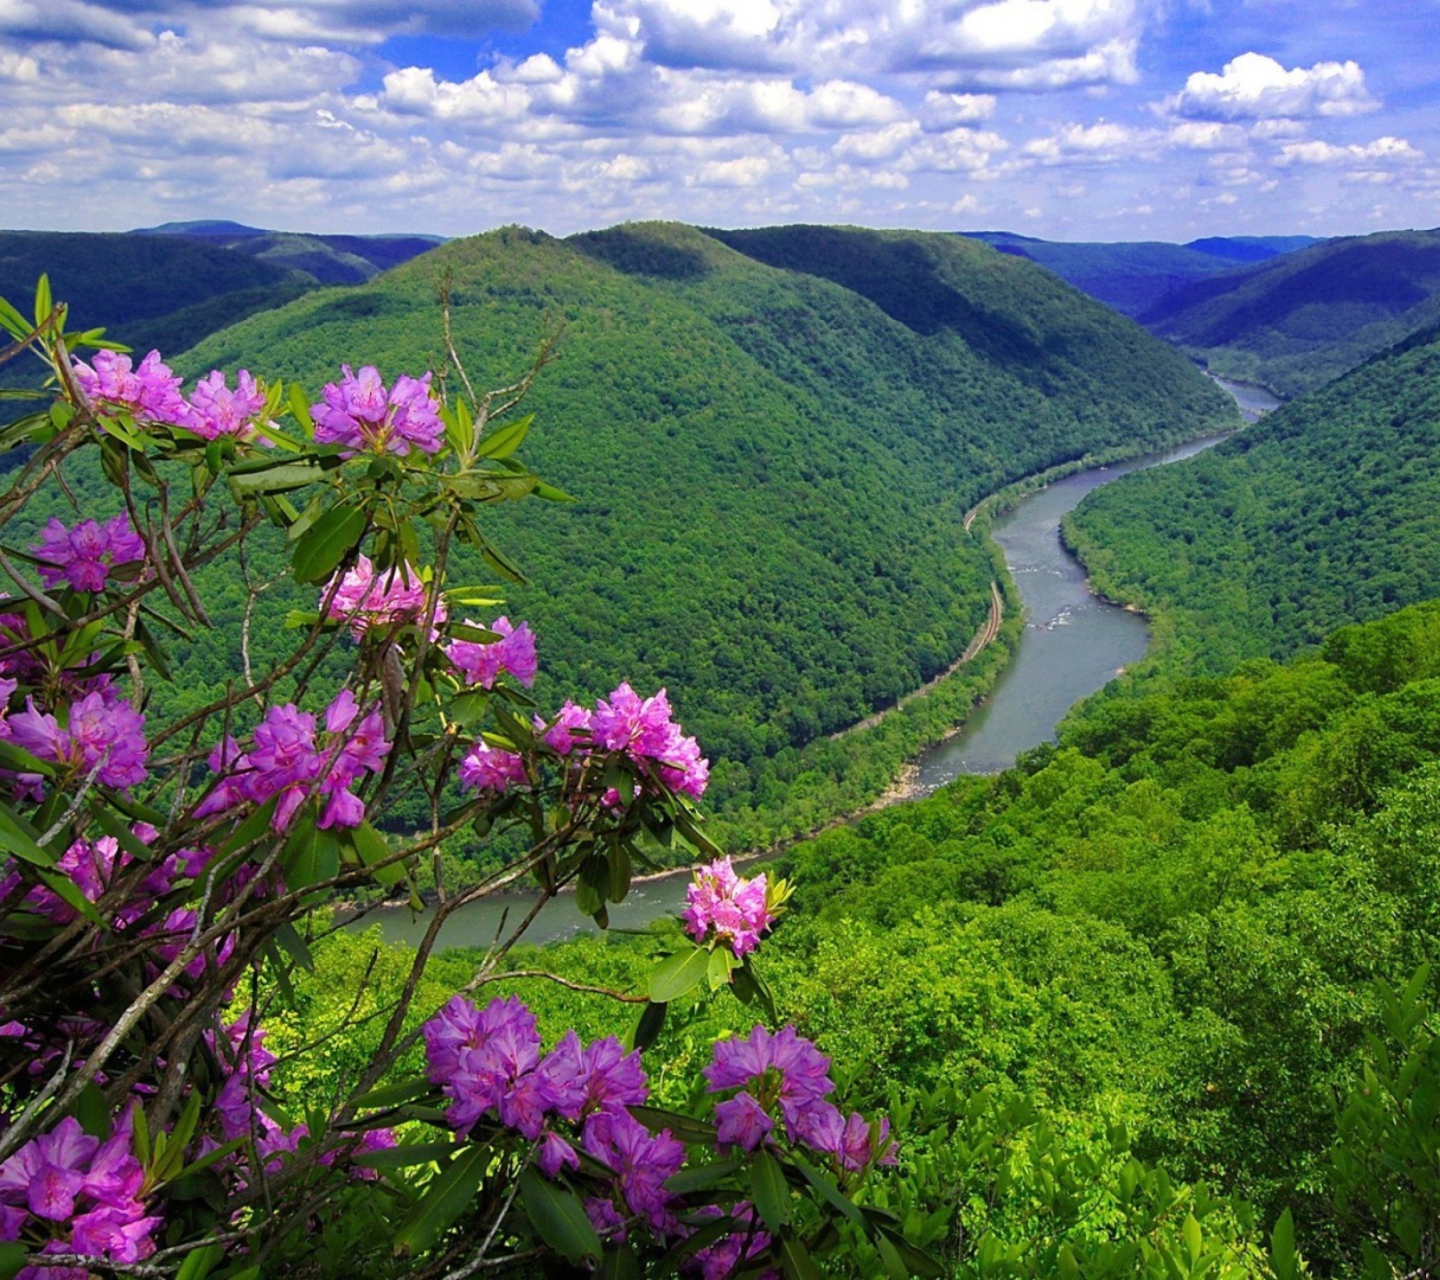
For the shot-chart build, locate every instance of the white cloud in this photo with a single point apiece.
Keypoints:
(1386, 150)
(945, 110)
(1206, 135)
(71, 20)
(1101, 143)
(1255, 87)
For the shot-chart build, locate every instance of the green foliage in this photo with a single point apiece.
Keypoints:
(1296, 322)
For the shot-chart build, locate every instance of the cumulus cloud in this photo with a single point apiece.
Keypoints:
(1101, 143)
(945, 110)
(1255, 87)
(1386, 150)
(71, 20)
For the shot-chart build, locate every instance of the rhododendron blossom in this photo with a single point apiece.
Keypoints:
(151, 393)
(218, 411)
(481, 662)
(361, 414)
(729, 909)
(363, 600)
(102, 734)
(644, 730)
(83, 556)
(487, 768)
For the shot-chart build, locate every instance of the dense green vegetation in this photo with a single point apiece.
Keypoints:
(1134, 276)
(1158, 941)
(327, 259)
(1325, 512)
(1296, 322)
(771, 468)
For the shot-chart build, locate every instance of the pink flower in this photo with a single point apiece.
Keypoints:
(364, 601)
(644, 730)
(554, 1153)
(732, 910)
(478, 1056)
(488, 768)
(359, 413)
(643, 1162)
(150, 393)
(101, 729)
(83, 556)
(560, 737)
(218, 411)
(742, 1122)
(481, 663)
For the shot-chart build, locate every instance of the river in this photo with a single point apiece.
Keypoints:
(1073, 644)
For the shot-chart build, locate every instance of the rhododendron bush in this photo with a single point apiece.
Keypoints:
(159, 879)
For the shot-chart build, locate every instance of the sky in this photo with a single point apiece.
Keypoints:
(1064, 119)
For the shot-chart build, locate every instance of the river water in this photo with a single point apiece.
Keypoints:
(1073, 644)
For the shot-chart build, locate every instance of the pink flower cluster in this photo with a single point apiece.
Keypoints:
(361, 414)
(726, 907)
(151, 394)
(101, 729)
(82, 557)
(786, 1072)
(66, 1192)
(287, 761)
(364, 600)
(245, 1063)
(481, 662)
(488, 1062)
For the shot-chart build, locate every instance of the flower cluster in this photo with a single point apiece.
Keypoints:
(285, 760)
(150, 393)
(364, 600)
(66, 1192)
(732, 910)
(102, 733)
(361, 414)
(83, 557)
(217, 411)
(481, 662)
(784, 1072)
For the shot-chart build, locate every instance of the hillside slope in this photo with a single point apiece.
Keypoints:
(1296, 322)
(771, 469)
(1326, 512)
(1133, 276)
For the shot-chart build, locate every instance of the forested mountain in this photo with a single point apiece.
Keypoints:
(771, 467)
(1133, 276)
(1295, 322)
(145, 291)
(328, 259)
(1327, 511)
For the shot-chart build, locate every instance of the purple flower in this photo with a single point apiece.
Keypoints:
(102, 729)
(218, 411)
(644, 730)
(365, 601)
(742, 1122)
(785, 1058)
(642, 1160)
(488, 768)
(478, 1056)
(554, 1153)
(560, 737)
(736, 910)
(359, 413)
(482, 662)
(83, 556)
(150, 393)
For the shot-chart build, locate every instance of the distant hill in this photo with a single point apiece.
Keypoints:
(1295, 322)
(328, 259)
(1326, 512)
(773, 437)
(1133, 276)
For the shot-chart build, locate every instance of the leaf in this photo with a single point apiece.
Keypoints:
(44, 303)
(795, 1258)
(373, 848)
(917, 1263)
(558, 1217)
(12, 1259)
(722, 960)
(503, 441)
(402, 1157)
(688, 1180)
(620, 1263)
(1282, 1248)
(825, 1185)
(14, 321)
(319, 552)
(300, 407)
(201, 1262)
(769, 1190)
(18, 837)
(686, 1128)
(681, 973)
(647, 1030)
(444, 1200)
(551, 494)
(274, 477)
(393, 1095)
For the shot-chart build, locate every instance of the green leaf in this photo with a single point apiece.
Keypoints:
(647, 1030)
(503, 441)
(722, 960)
(796, 1259)
(18, 837)
(404, 1156)
(1282, 1248)
(333, 535)
(12, 1259)
(558, 1217)
(620, 1263)
(551, 494)
(373, 848)
(769, 1190)
(300, 407)
(825, 1185)
(44, 302)
(686, 1128)
(394, 1095)
(688, 1180)
(681, 973)
(14, 321)
(917, 1263)
(201, 1262)
(444, 1200)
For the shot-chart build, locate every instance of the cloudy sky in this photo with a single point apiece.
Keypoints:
(1066, 119)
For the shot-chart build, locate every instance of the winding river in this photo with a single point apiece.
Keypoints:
(1073, 644)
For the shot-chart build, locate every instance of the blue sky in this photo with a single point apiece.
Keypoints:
(1066, 119)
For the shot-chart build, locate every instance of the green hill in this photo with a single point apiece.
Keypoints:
(772, 468)
(1326, 512)
(327, 259)
(148, 292)
(1296, 322)
(1133, 276)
